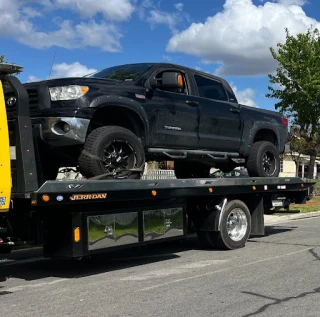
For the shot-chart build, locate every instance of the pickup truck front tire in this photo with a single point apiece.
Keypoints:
(112, 150)
(264, 160)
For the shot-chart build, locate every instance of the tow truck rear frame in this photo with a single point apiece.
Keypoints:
(76, 218)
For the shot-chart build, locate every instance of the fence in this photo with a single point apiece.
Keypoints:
(159, 174)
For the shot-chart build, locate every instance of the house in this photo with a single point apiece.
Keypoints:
(288, 166)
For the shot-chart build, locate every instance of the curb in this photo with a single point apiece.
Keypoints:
(271, 219)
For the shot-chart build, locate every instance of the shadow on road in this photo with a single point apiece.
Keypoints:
(97, 264)
(272, 230)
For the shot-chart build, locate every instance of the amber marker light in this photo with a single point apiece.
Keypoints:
(45, 198)
(211, 190)
(154, 193)
(76, 234)
(254, 187)
(84, 90)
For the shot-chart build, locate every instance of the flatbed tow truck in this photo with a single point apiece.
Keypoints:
(77, 218)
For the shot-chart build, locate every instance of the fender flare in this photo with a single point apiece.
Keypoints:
(250, 129)
(124, 103)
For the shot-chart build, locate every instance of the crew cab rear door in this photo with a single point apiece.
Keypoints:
(220, 125)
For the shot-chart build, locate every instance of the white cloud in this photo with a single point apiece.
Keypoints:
(245, 97)
(104, 36)
(143, 7)
(32, 78)
(238, 38)
(119, 10)
(66, 70)
(161, 17)
(292, 2)
(16, 23)
(70, 70)
(179, 6)
(152, 14)
(31, 13)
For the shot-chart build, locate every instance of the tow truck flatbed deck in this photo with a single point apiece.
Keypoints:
(112, 190)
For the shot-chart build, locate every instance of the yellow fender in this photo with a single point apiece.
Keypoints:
(5, 167)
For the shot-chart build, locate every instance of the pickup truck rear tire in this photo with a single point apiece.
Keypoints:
(112, 149)
(185, 170)
(264, 160)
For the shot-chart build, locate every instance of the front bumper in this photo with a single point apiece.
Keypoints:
(52, 134)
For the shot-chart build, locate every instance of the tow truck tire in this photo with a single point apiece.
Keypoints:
(264, 160)
(112, 148)
(234, 231)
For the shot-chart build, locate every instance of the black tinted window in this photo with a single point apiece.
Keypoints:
(210, 88)
(128, 72)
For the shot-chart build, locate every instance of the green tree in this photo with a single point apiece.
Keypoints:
(296, 85)
(300, 144)
(4, 60)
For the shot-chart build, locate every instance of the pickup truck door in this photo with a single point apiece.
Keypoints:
(173, 117)
(220, 125)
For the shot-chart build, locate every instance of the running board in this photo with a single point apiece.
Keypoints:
(183, 154)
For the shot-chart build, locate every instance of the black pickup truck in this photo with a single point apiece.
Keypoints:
(111, 122)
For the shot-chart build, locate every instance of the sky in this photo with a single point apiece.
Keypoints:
(228, 38)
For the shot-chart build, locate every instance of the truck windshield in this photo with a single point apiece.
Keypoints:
(129, 72)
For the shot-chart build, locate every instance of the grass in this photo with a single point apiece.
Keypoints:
(310, 206)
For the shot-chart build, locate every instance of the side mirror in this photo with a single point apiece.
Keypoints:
(168, 81)
(172, 80)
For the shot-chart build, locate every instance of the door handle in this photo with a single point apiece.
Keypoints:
(192, 103)
(235, 110)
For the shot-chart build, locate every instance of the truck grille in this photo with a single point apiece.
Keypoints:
(33, 98)
(12, 109)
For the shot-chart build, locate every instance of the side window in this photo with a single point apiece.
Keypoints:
(210, 89)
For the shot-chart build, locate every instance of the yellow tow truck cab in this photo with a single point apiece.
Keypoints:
(5, 166)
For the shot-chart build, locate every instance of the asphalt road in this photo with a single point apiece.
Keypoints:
(277, 275)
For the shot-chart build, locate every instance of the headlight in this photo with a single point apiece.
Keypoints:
(67, 92)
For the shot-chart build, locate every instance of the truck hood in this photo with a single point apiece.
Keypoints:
(83, 81)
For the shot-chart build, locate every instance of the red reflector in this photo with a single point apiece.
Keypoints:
(302, 185)
(284, 121)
